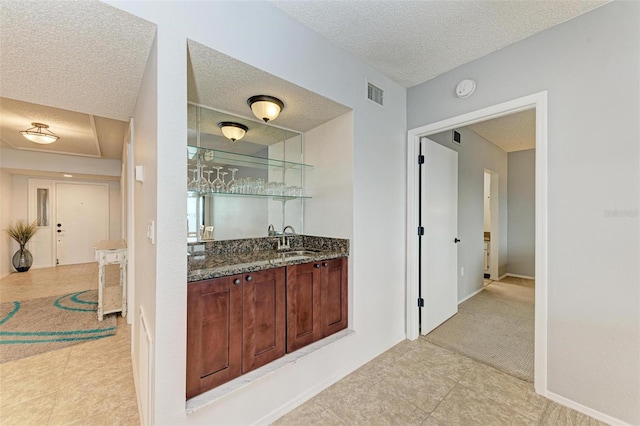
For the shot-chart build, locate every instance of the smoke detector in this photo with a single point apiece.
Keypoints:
(465, 88)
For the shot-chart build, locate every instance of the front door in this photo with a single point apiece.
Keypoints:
(438, 247)
(82, 220)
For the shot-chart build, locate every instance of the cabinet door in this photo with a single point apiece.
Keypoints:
(303, 305)
(334, 296)
(214, 333)
(263, 318)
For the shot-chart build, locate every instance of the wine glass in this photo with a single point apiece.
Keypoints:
(217, 185)
(224, 185)
(194, 183)
(232, 186)
(206, 186)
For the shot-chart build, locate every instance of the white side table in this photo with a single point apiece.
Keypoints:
(112, 298)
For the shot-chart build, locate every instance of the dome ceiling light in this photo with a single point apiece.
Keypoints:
(233, 131)
(265, 107)
(38, 135)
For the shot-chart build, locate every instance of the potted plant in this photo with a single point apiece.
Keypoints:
(22, 232)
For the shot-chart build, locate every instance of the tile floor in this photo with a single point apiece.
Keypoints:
(412, 383)
(90, 383)
(418, 383)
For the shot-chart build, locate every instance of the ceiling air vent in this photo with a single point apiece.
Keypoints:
(375, 94)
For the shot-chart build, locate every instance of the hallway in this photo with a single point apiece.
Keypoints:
(88, 383)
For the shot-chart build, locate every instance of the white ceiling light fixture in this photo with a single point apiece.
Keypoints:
(265, 107)
(233, 131)
(38, 135)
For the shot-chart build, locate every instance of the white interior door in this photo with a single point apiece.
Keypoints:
(438, 249)
(82, 219)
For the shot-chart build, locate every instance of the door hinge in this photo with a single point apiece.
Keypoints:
(420, 159)
(420, 230)
(420, 302)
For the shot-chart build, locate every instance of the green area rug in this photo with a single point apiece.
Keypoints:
(49, 323)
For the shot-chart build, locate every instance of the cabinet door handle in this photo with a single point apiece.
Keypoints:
(325, 264)
(249, 278)
(236, 281)
(317, 265)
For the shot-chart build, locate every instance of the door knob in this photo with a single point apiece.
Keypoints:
(236, 281)
(249, 278)
(59, 225)
(317, 265)
(455, 240)
(59, 231)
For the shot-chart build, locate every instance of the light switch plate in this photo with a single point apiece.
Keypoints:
(151, 231)
(140, 173)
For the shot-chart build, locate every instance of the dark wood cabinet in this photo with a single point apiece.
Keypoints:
(334, 296)
(317, 303)
(303, 305)
(239, 323)
(235, 324)
(214, 333)
(263, 318)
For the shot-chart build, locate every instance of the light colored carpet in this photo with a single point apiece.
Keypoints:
(48, 323)
(495, 327)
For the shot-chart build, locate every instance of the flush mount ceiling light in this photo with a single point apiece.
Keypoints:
(38, 135)
(233, 131)
(265, 107)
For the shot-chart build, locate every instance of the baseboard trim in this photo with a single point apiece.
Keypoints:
(508, 274)
(585, 410)
(471, 295)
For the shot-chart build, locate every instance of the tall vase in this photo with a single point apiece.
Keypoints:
(22, 259)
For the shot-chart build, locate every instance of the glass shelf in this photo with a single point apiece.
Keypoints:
(227, 194)
(215, 156)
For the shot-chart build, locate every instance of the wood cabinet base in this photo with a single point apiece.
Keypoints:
(239, 323)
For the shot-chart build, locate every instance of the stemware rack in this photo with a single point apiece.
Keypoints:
(214, 157)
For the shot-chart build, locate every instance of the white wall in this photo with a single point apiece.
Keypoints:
(475, 154)
(329, 148)
(290, 51)
(145, 209)
(6, 218)
(521, 193)
(590, 67)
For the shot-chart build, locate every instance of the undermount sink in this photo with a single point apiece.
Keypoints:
(300, 253)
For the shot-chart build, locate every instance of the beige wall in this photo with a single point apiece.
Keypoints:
(6, 217)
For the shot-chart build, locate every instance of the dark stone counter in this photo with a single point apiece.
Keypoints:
(213, 259)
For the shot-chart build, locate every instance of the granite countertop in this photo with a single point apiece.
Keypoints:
(234, 257)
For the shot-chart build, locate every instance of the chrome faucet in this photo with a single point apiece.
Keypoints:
(284, 243)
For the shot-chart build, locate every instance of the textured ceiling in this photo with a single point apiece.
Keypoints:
(221, 82)
(514, 132)
(82, 56)
(414, 41)
(80, 134)
(76, 66)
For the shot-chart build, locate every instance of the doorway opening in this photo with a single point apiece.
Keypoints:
(491, 222)
(538, 102)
